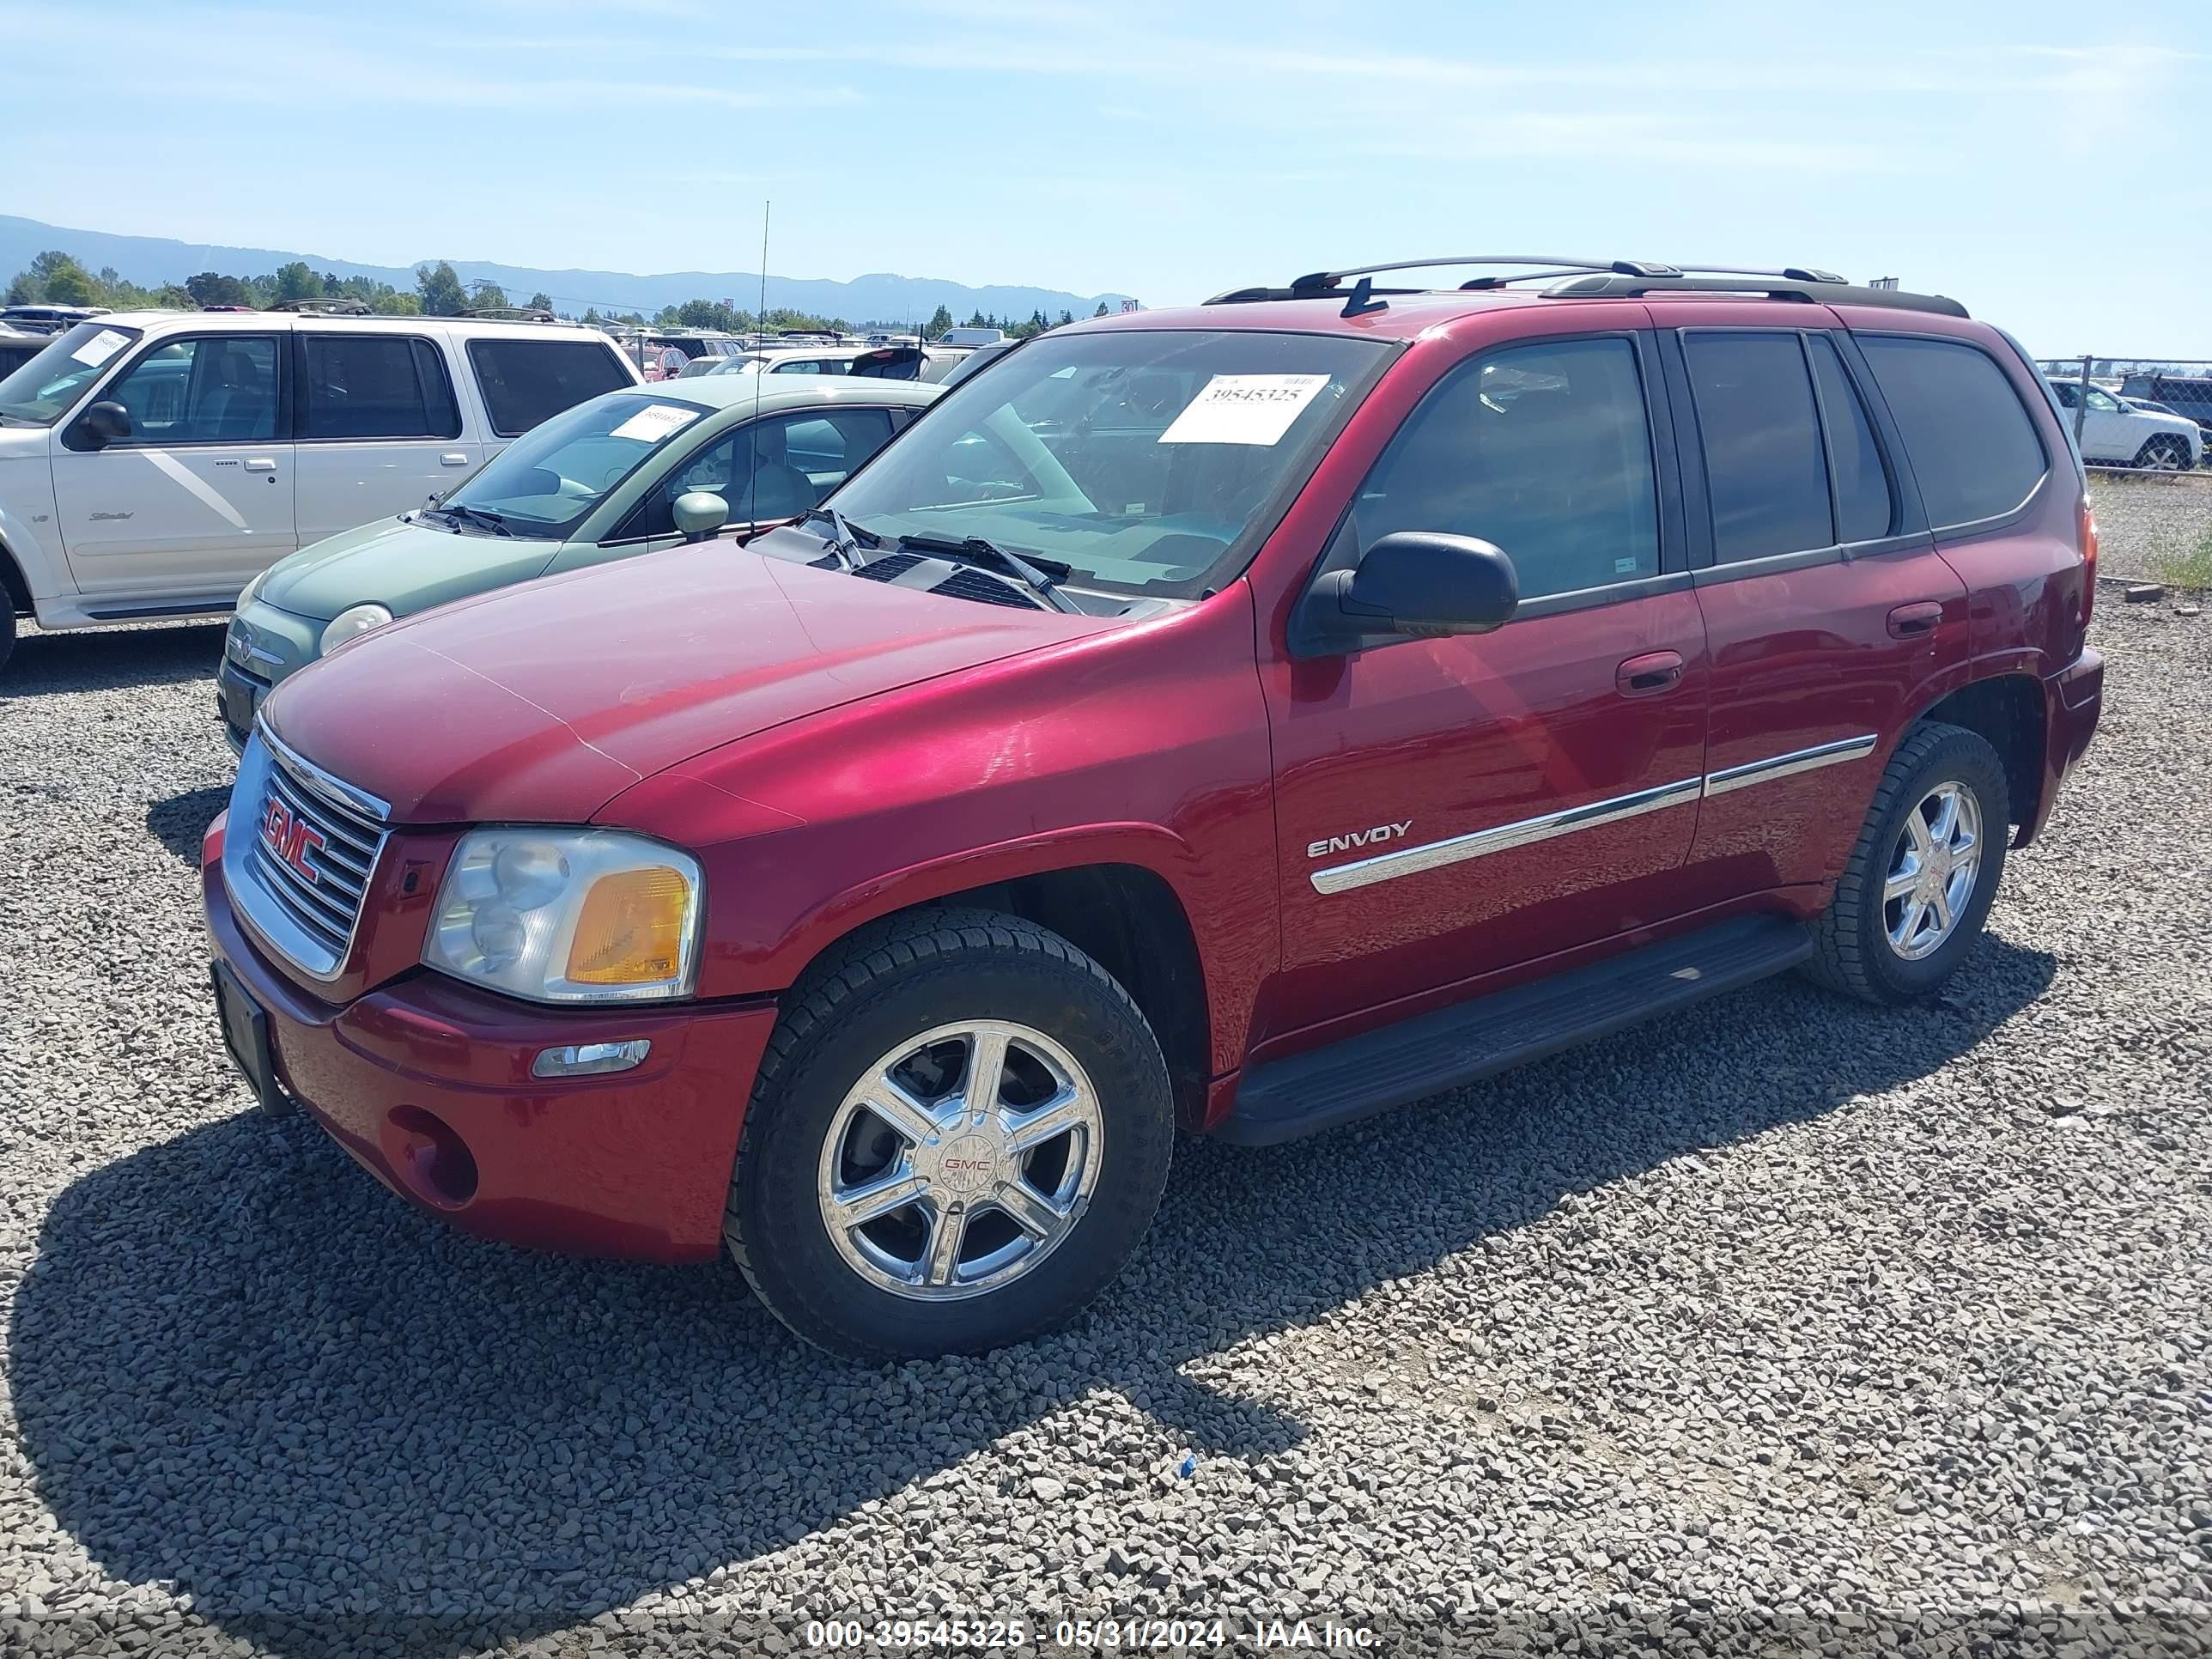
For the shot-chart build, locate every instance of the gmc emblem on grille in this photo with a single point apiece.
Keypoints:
(290, 838)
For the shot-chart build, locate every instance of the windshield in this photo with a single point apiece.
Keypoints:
(1141, 461)
(545, 482)
(48, 387)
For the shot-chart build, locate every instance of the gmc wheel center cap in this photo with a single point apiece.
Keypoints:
(968, 1164)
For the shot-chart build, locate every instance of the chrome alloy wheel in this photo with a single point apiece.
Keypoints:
(1932, 871)
(960, 1160)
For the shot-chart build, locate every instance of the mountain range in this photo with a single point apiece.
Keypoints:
(879, 296)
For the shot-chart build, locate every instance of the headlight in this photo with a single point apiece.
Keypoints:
(568, 916)
(351, 623)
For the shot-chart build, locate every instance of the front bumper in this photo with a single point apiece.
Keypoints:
(427, 1084)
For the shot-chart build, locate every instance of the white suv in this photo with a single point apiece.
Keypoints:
(2115, 434)
(152, 462)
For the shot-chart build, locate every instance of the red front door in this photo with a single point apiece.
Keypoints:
(1449, 807)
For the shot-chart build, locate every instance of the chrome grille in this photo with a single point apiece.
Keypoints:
(300, 862)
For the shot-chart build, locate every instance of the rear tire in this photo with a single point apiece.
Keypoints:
(1918, 884)
(884, 1211)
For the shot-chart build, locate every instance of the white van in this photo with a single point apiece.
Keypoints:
(152, 462)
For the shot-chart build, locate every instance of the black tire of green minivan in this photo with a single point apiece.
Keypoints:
(1882, 938)
(884, 1214)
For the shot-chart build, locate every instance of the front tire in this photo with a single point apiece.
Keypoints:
(2165, 454)
(1918, 884)
(960, 1131)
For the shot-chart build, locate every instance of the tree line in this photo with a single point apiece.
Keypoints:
(58, 278)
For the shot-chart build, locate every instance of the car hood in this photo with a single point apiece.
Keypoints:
(2151, 420)
(405, 566)
(541, 703)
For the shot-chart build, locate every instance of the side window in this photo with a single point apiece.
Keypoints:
(211, 389)
(2103, 402)
(1863, 501)
(373, 385)
(1974, 451)
(1765, 472)
(1544, 450)
(2070, 393)
(775, 468)
(525, 381)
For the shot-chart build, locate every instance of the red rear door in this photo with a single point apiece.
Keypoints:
(1830, 615)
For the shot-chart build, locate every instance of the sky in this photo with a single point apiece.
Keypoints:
(2051, 165)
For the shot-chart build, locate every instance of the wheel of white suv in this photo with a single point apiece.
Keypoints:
(2167, 453)
(959, 1133)
(1920, 880)
(7, 630)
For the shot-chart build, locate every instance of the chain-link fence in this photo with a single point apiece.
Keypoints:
(2141, 414)
(2145, 427)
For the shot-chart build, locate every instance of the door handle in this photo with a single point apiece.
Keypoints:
(1914, 622)
(453, 457)
(260, 463)
(1648, 675)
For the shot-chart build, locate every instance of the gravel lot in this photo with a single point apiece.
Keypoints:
(1787, 1327)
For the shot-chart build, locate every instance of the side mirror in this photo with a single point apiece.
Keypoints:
(699, 514)
(1418, 583)
(105, 423)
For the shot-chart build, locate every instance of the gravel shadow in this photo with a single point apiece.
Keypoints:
(178, 822)
(104, 658)
(243, 1368)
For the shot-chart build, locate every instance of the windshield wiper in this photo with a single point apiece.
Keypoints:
(1042, 578)
(843, 540)
(491, 521)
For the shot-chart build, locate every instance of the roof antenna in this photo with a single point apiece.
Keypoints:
(760, 369)
(1363, 299)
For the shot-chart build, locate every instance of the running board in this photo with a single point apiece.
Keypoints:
(1422, 1056)
(154, 612)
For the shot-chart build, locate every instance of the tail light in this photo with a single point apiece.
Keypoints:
(2088, 543)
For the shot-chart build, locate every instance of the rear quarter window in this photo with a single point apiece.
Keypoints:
(526, 381)
(1973, 449)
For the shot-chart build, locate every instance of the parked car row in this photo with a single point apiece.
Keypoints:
(152, 462)
(862, 860)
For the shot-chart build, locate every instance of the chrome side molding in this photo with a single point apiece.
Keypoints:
(1479, 843)
(1787, 766)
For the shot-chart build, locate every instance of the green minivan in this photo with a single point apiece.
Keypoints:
(600, 481)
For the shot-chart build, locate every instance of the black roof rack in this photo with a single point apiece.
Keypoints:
(1821, 291)
(1571, 275)
(509, 313)
(325, 307)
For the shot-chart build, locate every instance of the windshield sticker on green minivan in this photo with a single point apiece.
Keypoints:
(1244, 408)
(655, 421)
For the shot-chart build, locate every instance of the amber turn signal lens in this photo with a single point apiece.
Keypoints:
(630, 931)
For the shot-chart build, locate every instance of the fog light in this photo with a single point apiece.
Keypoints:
(589, 1058)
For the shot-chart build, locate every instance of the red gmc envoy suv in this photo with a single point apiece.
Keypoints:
(1242, 718)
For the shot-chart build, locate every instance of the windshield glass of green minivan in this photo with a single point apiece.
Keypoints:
(1147, 461)
(547, 481)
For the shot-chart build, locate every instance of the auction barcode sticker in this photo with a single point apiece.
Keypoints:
(1244, 409)
(655, 421)
(101, 347)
